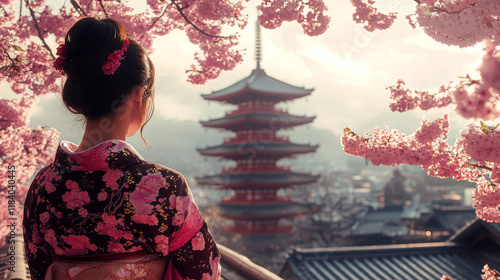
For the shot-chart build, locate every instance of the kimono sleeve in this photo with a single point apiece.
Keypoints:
(36, 254)
(193, 252)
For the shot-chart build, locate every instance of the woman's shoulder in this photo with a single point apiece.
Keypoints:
(147, 171)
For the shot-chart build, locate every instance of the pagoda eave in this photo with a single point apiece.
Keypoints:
(219, 182)
(243, 153)
(281, 96)
(258, 231)
(249, 121)
(268, 211)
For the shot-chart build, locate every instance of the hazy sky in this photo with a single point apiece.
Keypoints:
(348, 67)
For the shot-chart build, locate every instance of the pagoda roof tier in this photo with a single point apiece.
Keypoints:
(257, 120)
(258, 179)
(258, 86)
(244, 150)
(271, 211)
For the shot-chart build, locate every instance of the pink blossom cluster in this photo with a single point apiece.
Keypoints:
(368, 15)
(460, 23)
(486, 198)
(475, 157)
(24, 148)
(490, 66)
(430, 132)
(113, 61)
(477, 101)
(481, 145)
(427, 147)
(311, 15)
(489, 273)
(404, 99)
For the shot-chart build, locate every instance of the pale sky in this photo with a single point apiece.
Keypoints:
(348, 67)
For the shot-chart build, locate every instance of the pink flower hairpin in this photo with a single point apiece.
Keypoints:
(111, 64)
(61, 52)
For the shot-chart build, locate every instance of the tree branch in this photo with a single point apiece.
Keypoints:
(480, 166)
(78, 8)
(40, 35)
(103, 9)
(20, 9)
(179, 9)
(157, 19)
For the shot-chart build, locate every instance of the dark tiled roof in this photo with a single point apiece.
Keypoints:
(272, 121)
(265, 209)
(453, 218)
(411, 261)
(265, 180)
(246, 149)
(260, 83)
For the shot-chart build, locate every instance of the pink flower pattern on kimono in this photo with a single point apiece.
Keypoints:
(198, 242)
(216, 270)
(47, 182)
(75, 198)
(182, 205)
(113, 201)
(111, 178)
(131, 271)
(79, 244)
(162, 244)
(151, 183)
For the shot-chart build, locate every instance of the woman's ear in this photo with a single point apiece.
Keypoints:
(137, 95)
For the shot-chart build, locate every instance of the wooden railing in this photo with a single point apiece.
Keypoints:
(243, 266)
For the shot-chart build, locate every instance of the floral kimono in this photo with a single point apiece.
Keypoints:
(108, 201)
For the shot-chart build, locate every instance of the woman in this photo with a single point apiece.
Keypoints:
(100, 210)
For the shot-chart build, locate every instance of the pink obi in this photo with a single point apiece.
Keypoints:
(136, 265)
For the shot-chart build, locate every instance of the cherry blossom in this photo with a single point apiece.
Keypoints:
(368, 15)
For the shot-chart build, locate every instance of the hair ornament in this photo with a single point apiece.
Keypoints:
(61, 52)
(113, 61)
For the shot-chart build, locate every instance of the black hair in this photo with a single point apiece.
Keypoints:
(87, 90)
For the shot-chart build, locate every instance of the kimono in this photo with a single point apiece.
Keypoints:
(109, 201)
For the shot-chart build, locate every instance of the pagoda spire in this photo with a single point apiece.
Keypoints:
(258, 43)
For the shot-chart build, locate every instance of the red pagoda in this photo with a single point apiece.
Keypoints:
(256, 207)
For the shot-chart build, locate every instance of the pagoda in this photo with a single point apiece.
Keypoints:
(256, 147)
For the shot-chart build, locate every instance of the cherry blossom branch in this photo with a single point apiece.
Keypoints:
(179, 9)
(78, 7)
(4, 11)
(474, 165)
(40, 35)
(158, 18)
(103, 9)
(20, 8)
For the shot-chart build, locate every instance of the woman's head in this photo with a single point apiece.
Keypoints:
(88, 90)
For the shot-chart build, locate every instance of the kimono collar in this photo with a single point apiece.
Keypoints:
(108, 155)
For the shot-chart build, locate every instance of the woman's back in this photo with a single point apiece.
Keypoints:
(108, 200)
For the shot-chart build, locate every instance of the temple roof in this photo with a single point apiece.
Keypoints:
(265, 210)
(405, 261)
(258, 179)
(252, 120)
(462, 257)
(258, 84)
(244, 150)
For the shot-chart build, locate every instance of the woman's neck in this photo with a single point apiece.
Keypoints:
(101, 130)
